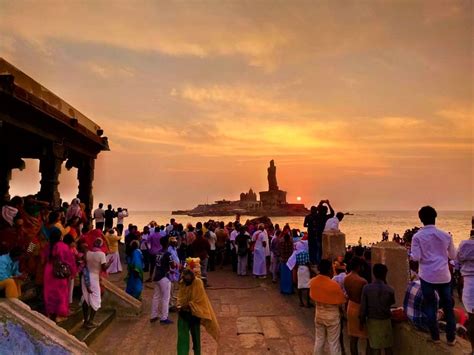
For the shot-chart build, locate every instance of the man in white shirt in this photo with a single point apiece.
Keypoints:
(233, 249)
(433, 248)
(121, 214)
(99, 216)
(332, 224)
(212, 238)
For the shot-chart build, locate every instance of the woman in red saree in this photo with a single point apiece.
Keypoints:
(56, 290)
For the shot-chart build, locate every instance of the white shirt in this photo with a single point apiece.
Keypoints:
(332, 224)
(169, 228)
(99, 215)
(232, 237)
(121, 216)
(259, 237)
(95, 259)
(212, 240)
(432, 247)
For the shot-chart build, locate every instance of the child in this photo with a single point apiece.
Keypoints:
(377, 298)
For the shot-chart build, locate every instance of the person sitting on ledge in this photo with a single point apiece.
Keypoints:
(10, 274)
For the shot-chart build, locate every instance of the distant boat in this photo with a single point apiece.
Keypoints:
(348, 214)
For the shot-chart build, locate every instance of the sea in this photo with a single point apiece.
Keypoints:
(367, 225)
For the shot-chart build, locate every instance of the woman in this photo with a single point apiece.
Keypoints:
(465, 257)
(135, 271)
(74, 210)
(113, 257)
(285, 248)
(56, 287)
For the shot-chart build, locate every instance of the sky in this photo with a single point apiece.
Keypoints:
(365, 103)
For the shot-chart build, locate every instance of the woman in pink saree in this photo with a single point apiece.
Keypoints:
(56, 290)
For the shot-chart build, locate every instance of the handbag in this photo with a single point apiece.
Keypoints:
(61, 270)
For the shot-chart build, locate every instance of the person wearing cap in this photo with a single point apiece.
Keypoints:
(113, 257)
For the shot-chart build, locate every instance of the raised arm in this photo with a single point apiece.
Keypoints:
(331, 210)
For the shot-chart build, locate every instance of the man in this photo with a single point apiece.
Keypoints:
(109, 216)
(242, 242)
(332, 224)
(155, 248)
(170, 227)
(433, 248)
(99, 216)
(260, 238)
(319, 223)
(174, 273)
(10, 275)
(194, 309)
(161, 294)
(353, 284)
(121, 214)
(201, 249)
(222, 236)
(145, 248)
(96, 263)
(309, 222)
(414, 307)
(211, 238)
(233, 248)
(329, 298)
(377, 298)
(465, 257)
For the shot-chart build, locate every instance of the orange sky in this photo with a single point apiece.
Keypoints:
(368, 104)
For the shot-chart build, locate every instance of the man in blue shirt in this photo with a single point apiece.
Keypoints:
(10, 273)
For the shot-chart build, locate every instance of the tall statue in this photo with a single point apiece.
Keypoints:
(272, 179)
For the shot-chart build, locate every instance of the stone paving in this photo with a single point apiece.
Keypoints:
(254, 318)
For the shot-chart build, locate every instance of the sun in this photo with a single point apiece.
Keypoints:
(298, 198)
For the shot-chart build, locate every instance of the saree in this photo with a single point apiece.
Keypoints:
(56, 291)
(135, 274)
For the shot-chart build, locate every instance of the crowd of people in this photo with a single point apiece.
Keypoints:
(57, 249)
(57, 252)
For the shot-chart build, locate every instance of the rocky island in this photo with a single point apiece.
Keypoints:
(272, 203)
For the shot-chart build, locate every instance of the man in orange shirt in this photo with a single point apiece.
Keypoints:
(329, 298)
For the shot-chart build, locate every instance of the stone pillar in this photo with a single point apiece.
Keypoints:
(85, 175)
(334, 244)
(395, 257)
(50, 168)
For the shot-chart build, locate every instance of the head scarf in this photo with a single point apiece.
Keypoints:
(74, 210)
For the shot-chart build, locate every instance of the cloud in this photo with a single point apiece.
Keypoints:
(107, 71)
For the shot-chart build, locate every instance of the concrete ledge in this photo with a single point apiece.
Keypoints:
(23, 331)
(409, 340)
(116, 298)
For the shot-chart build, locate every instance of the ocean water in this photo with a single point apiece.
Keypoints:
(367, 225)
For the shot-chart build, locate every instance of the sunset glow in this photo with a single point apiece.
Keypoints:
(357, 102)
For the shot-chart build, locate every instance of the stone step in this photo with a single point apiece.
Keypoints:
(103, 318)
(73, 320)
